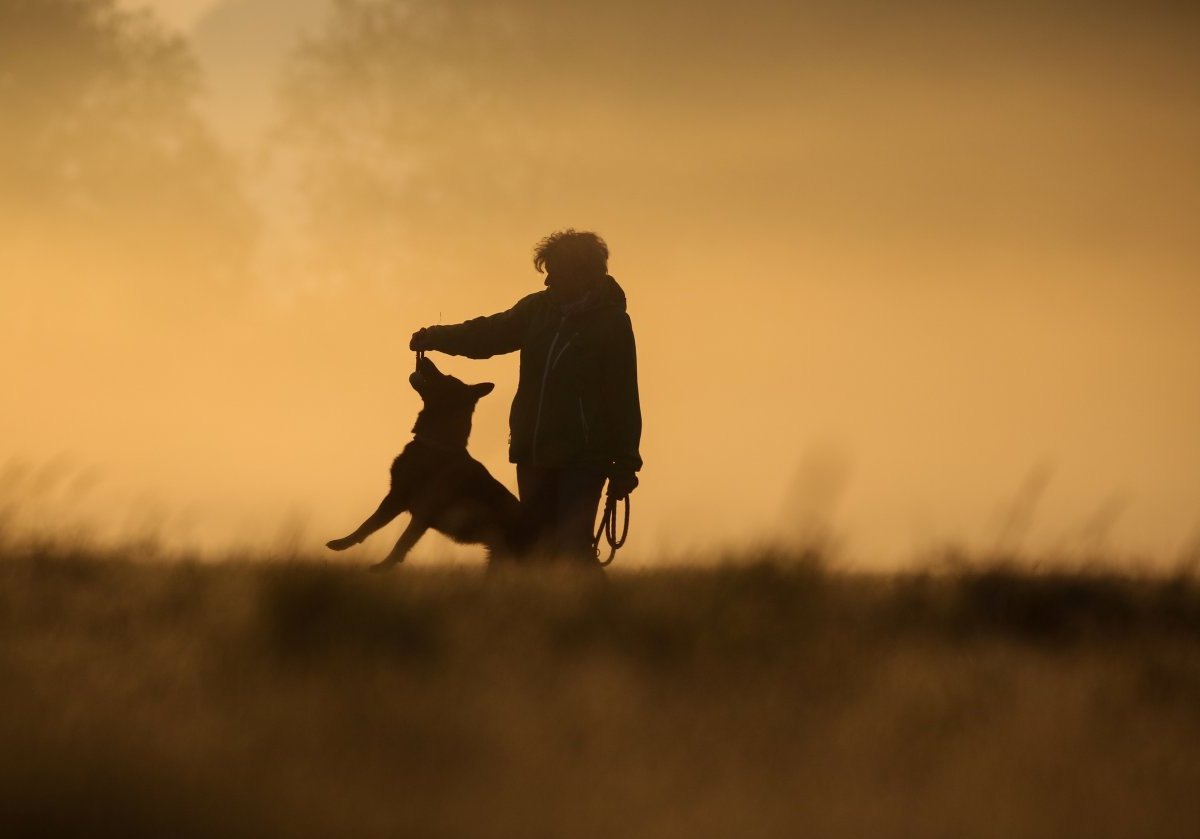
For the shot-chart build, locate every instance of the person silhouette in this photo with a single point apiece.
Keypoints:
(576, 419)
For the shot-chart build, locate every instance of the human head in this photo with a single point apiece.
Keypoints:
(572, 260)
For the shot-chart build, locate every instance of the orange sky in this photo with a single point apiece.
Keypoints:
(885, 270)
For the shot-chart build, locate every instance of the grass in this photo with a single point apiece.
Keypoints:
(763, 699)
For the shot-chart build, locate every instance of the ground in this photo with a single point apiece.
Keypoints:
(763, 698)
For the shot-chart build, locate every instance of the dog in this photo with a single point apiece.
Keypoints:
(440, 484)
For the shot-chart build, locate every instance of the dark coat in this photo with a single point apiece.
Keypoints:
(577, 400)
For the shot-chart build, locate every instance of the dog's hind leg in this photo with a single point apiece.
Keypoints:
(411, 535)
(389, 508)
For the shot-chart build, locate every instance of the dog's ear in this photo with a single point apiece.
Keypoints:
(481, 390)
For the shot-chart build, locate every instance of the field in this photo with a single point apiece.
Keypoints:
(769, 698)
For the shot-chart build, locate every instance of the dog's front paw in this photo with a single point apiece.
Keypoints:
(341, 544)
(384, 565)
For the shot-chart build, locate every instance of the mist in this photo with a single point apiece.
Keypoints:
(900, 278)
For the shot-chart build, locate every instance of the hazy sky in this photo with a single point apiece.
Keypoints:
(178, 13)
(893, 272)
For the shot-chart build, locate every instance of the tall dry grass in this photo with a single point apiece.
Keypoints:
(775, 698)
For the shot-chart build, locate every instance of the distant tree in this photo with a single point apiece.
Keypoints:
(101, 142)
(405, 120)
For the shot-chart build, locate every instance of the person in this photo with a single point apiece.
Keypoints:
(576, 419)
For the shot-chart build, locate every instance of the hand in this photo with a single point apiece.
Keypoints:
(421, 340)
(621, 484)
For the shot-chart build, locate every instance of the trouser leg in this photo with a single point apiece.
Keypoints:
(562, 504)
(579, 498)
(536, 490)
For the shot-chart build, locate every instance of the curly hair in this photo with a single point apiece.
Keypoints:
(577, 248)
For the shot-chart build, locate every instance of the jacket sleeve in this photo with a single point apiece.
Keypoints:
(623, 400)
(486, 336)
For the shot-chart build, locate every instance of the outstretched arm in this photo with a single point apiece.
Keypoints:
(480, 337)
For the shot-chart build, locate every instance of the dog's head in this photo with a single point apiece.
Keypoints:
(435, 387)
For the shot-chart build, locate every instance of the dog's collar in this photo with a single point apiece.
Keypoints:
(437, 444)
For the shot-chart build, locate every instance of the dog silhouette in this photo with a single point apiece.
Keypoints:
(440, 484)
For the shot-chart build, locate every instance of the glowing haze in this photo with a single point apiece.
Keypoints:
(902, 276)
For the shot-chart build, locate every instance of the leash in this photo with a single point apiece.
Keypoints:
(608, 529)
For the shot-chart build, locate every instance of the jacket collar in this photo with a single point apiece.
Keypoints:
(606, 294)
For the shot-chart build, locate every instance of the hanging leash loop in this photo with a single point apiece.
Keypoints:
(608, 530)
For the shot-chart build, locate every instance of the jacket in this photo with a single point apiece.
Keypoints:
(577, 401)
